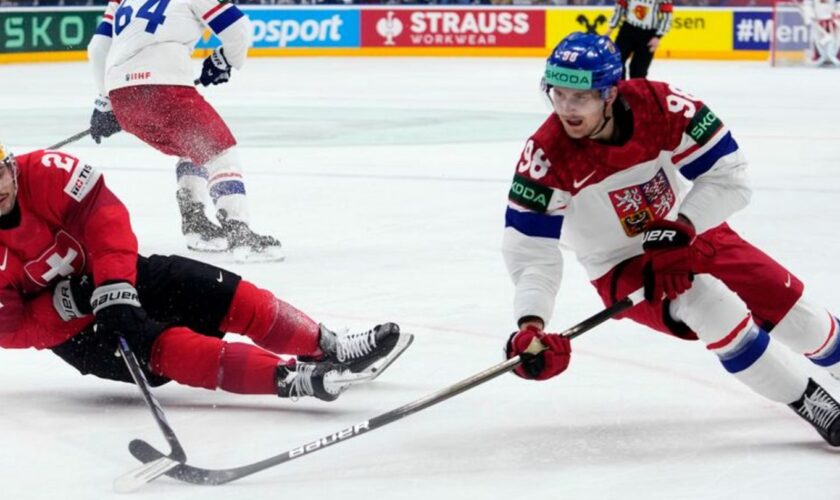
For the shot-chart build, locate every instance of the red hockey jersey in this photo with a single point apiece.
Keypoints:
(70, 224)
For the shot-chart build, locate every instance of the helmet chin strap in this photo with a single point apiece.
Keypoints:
(604, 121)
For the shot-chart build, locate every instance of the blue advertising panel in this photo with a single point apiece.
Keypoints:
(753, 30)
(283, 28)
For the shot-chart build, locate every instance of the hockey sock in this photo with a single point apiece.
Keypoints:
(812, 331)
(226, 187)
(270, 322)
(196, 360)
(193, 178)
(721, 320)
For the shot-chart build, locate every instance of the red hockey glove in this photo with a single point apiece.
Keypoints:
(668, 263)
(544, 365)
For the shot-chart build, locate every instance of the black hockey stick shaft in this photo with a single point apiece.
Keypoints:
(143, 451)
(72, 138)
(139, 377)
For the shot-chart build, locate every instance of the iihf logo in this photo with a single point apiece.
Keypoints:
(389, 28)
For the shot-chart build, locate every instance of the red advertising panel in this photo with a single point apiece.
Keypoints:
(453, 28)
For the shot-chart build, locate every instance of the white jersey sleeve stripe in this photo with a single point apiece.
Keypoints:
(534, 224)
(699, 166)
(222, 16)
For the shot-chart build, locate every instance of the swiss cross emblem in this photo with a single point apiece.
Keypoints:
(640, 11)
(638, 206)
(61, 259)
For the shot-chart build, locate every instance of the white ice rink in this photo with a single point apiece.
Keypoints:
(386, 180)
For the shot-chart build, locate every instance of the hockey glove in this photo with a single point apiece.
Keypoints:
(668, 266)
(118, 313)
(103, 122)
(71, 297)
(547, 363)
(215, 69)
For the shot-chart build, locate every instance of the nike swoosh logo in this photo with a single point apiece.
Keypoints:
(5, 260)
(220, 278)
(578, 184)
(787, 282)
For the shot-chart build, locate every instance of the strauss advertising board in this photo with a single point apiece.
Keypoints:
(453, 28)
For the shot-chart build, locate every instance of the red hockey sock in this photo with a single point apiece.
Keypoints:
(196, 360)
(270, 322)
(187, 357)
(248, 370)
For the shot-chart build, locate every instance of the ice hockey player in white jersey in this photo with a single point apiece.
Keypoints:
(141, 58)
(823, 17)
(605, 176)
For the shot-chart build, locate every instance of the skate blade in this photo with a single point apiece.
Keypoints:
(196, 244)
(249, 256)
(403, 343)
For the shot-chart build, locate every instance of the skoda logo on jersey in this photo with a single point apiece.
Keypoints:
(389, 27)
(570, 78)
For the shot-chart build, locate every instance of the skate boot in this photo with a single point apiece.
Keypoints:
(245, 244)
(323, 380)
(821, 410)
(201, 234)
(369, 352)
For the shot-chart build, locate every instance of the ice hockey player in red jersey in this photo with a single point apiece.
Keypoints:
(605, 177)
(140, 54)
(71, 281)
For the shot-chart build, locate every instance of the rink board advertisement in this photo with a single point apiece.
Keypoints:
(453, 28)
(695, 33)
(46, 30)
(50, 34)
(281, 28)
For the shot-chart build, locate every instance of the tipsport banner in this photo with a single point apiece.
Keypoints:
(297, 28)
(412, 27)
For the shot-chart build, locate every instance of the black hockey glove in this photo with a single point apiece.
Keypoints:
(103, 122)
(71, 297)
(118, 313)
(216, 69)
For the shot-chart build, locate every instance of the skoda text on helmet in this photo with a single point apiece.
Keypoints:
(584, 61)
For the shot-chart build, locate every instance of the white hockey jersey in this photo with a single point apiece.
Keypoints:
(597, 199)
(150, 42)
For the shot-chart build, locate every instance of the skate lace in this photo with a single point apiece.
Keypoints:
(352, 346)
(301, 384)
(819, 409)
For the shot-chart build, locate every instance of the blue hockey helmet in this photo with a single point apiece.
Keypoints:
(583, 61)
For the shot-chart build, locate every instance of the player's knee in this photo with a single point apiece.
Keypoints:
(709, 308)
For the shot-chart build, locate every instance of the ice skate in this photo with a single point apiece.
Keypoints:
(369, 352)
(821, 410)
(201, 234)
(323, 380)
(246, 245)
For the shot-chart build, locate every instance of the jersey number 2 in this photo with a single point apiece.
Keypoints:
(151, 11)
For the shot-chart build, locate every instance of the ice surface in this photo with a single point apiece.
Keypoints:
(386, 181)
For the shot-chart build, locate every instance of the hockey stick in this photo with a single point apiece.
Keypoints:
(155, 468)
(144, 452)
(72, 138)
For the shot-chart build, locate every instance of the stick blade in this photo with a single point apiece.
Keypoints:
(135, 479)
